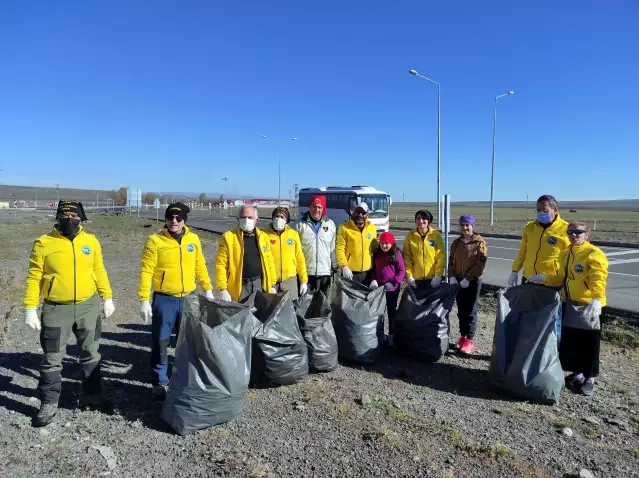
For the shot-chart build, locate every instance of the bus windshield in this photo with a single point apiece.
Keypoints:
(377, 204)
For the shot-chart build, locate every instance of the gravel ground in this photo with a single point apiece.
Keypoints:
(399, 418)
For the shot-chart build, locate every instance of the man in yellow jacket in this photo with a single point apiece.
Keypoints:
(424, 252)
(66, 267)
(286, 246)
(172, 260)
(244, 262)
(354, 246)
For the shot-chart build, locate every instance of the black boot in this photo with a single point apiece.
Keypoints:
(45, 415)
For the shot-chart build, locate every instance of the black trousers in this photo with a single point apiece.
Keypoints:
(467, 301)
(579, 351)
(322, 283)
(391, 306)
(364, 277)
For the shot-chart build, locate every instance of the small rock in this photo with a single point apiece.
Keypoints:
(416, 458)
(300, 407)
(583, 473)
(44, 432)
(366, 399)
(567, 432)
(497, 411)
(593, 420)
(67, 425)
(107, 454)
(33, 399)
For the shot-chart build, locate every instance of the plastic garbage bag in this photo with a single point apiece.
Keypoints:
(525, 359)
(280, 356)
(212, 365)
(358, 319)
(314, 318)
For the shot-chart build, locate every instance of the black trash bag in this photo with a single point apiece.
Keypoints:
(358, 319)
(280, 356)
(314, 318)
(525, 359)
(212, 365)
(422, 321)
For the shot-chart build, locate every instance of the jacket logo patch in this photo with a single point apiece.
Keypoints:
(289, 242)
(190, 247)
(273, 241)
(552, 240)
(368, 236)
(86, 250)
(325, 228)
(263, 248)
(431, 243)
(579, 269)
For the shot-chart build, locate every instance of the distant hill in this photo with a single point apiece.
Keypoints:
(44, 195)
(615, 204)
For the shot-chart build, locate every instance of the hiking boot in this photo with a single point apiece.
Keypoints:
(588, 388)
(159, 392)
(468, 347)
(45, 415)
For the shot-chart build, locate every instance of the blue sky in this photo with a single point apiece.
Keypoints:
(173, 96)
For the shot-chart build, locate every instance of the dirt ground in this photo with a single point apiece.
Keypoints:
(398, 418)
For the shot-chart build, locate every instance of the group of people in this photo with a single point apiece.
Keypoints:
(66, 267)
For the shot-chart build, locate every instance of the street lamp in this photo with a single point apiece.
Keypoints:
(492, 175)
(439, 165)
(279, 165)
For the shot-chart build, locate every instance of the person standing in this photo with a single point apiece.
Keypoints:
(286, 247)
(172, 260)
(66, 267)
(424, 253)
(244, 262)
(317, 233)
(466, 264)
(356, 240)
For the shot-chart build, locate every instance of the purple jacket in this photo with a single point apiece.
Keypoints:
(384, 271)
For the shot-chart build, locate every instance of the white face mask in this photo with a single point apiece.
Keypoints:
(279, 223)
(247, 224)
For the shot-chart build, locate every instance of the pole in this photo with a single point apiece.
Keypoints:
(446, 211)
(492, 174)
(279, 173)
(439, 164)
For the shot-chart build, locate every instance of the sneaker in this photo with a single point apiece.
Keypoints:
(577, 381)
(46, 414)
(588, 388)
(468, 347)
(461, 342)
(159, 392)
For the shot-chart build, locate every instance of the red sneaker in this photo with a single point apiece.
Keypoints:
(468, 347)
(461, 342)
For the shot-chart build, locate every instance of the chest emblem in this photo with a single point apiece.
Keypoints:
(289, 242)
(86, 250)
(431, 243)
(579, 269)
(552, 240)
(325, 228)
(190, 247)
(369, 236)
(273, 241)
(263, 248)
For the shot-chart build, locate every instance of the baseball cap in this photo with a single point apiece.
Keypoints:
(363, 206)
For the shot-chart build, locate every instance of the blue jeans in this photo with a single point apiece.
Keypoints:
(167, 314)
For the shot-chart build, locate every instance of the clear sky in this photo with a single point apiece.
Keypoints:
(174, 95)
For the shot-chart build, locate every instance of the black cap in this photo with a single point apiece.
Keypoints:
(67, 205)
(177, 209)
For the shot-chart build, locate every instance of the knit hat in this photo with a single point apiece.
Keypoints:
(177, 209)
(387, 237)
(321, 200)
(468, 219)
(66, 205)
(283, 211)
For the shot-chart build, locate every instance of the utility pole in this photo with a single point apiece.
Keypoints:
(225, 179)
(58, 189)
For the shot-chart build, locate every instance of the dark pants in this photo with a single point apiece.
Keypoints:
(58, 321)
(167, 315)
(557, 317)
(579, 351)
(391, 307)
(322, 283)
(250, 286)
(364, 277)
(467, 301)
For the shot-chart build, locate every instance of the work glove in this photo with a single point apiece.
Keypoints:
(452, 280)
(374, 284)
(464, 284)
(209, 295)
(146, 312)
(303, 289)
(108, 308)
(31, 319)
(411, 282)
(436, 282)
(513, 279)
(225, 296)
(593, 309)
(536, 278)
(346, 272)
(388, 286)
(273, 290)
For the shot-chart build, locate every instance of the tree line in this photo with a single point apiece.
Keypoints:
(119, 198)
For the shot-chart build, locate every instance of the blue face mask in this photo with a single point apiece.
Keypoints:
(543, 217)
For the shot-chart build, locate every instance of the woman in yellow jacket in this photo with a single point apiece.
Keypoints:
(354, 245)
(582, 270)
(286, 247)
(66, 267)
(424, 252)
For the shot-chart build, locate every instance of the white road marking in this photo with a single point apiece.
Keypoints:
(622, 261)
(622, 274)
(621, 253)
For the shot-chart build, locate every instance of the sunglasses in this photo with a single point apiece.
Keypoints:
(177, 218)
(575, 232)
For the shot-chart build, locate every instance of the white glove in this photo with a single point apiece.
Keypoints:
(346, 272)
(374, 284)
(31, 319)
(411, 282)
(436, 282)
(225, 296)
(513, 279)
(452, 280)
(536, 278)
(464, 284)
(209, 295)
(108, 308)
(273, 290)
(146, 312)
(593, 309)
(303, 289)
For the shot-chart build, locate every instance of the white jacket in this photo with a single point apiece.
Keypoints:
(319, 249)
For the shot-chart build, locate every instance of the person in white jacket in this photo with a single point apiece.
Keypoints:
(317, 234)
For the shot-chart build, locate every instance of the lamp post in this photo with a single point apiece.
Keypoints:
(439, 199)
(279, 165)
(492, 174)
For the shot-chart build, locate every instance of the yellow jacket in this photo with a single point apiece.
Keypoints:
(172, 266)
(582, 272)
(540, 247)
(65, 271)
(354, 247)
(230, 258)
(424, 256)
(287, 254)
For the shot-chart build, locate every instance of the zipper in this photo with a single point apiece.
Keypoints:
(424, 255)
(181, 269)
(361, 233)
(75, 289)
(538, 249)
(50, 287)
(566, 270)
(281, 259)
(317, 250)
(162, 281)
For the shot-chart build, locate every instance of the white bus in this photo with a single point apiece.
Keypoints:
(341, 201)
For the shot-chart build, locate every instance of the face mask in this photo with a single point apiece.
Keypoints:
(68, 226)
(247, 224)
(279, 224)
(543, 217)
